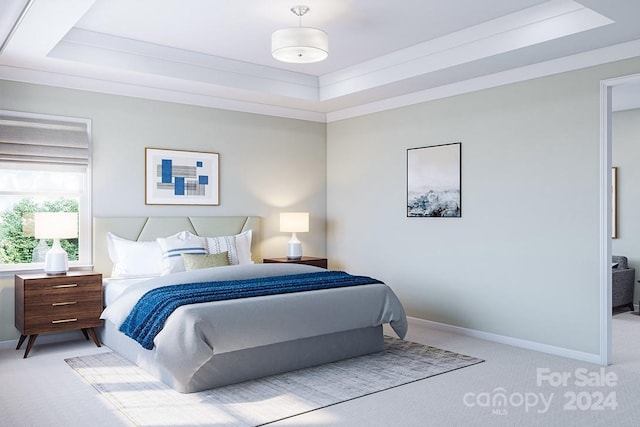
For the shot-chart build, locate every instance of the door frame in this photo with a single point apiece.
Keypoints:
(606, 92)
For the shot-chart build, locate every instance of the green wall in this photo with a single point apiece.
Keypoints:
(267, 164)
(523, 261)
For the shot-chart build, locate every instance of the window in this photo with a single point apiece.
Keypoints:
(44, 167)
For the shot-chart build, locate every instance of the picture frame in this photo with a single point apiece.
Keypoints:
(614, 202)
(179, 177)
(434, 178)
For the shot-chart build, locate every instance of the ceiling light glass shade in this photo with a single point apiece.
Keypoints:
(300, 45)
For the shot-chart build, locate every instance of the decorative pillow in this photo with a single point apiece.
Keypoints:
(174, 246)
(243, 243)
(238, 247)
(134, 259)
(195, 262)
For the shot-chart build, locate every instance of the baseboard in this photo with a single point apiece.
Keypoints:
(515, 342)
(44, 339)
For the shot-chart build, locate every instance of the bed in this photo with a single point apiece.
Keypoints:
(212, 344)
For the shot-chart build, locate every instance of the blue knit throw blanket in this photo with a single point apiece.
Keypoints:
(149, 314)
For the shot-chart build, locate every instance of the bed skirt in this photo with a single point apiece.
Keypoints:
(252, 363)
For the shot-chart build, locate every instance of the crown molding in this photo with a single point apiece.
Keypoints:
(569, 63)
(154, 93)
(200, 98)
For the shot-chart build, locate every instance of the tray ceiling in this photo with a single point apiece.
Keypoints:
(382, 54)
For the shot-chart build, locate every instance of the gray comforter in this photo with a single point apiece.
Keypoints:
(194, 333)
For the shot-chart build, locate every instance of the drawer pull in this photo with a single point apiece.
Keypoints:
(57, 304)
(72, 285)
(64, 321)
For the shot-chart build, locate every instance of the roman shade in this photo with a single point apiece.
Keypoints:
(43, 139)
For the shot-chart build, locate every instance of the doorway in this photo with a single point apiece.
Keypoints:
(610, 91)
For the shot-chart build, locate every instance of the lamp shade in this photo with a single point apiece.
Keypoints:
(56, 225)
(300, 45)
(294, 222)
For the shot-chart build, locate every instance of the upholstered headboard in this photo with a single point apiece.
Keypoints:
(150, 228)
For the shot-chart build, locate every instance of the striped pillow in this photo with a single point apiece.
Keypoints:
(238, 247)
(174, 246)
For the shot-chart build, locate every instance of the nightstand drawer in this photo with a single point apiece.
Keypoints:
(60, 318)
(79, 303)
(44, 293)
(62, 284)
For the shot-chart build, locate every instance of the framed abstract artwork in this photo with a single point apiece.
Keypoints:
(434, 176)
(175, 177)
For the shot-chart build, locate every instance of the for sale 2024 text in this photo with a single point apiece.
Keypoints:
(594, 394)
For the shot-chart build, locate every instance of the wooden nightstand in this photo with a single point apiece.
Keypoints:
(57, 303)
(308, 260)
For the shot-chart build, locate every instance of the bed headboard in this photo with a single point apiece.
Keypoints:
(150, 228)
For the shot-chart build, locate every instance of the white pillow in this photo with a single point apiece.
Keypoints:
(181, 243)
(238, 247)
(243, 243)
(134, 259)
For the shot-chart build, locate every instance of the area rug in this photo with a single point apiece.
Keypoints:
(148, 402)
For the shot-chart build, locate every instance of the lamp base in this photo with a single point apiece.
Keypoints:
(294, 250)
(55, 261)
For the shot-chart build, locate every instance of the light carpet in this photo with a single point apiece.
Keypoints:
(148, 402)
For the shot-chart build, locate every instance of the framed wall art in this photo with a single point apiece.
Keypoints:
(434, 176)
(175, 177)
(614, 202)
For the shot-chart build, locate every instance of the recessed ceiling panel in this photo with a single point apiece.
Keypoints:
(359, 30)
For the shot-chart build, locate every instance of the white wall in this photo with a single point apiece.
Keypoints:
(523, 260)
(267, 164)
(626, 156)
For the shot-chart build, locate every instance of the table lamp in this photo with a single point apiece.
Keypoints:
(56, 226)
(294, 222)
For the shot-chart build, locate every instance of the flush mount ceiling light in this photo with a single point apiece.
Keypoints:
(301, 45)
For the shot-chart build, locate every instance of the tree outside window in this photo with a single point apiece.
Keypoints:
(17, 244)
(25, 191)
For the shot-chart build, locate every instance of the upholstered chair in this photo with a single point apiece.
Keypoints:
(622, 283)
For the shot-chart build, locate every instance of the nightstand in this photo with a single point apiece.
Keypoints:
(57, 303)
(308, 260)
